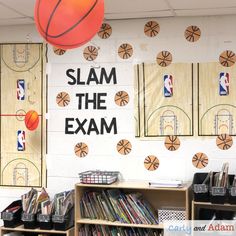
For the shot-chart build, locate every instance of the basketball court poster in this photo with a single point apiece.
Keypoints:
(164, 100)
(22, 90)
(216, 99)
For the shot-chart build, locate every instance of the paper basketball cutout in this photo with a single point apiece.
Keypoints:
(164, 58)
(227, 58)
(31, 120)
(192, 33)
(200, 160)
(151, 28)
(105, 31)
(63, 99)
(172, 143)
(151, 163)
(90, 53)
(125, 51)
(68, 24)
(224, 141)
(124, 147)
(58, 51)
(121, 98)
(81, 149)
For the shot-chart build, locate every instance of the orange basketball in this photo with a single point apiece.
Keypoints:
(227, 58)
(68, 24)
(164, 58)
(151, 163)
(31, 120)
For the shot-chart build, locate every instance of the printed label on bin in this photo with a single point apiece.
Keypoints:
(200, 188)
(58, 218)
(233, 191)
(44, 218)
(28, 217)
(7, 216)
(218, 191)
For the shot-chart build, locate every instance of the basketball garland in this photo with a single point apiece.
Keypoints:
(151, 28)
(121, 98)
(172, 143)
(58, 51)
(192, 33)
(68, 24)
(224, 141)
(105, 31)
(164, 58)
(227, 58)
(90, 53)
(124, 147)
(125, 51)
(151, 163)
(200, 160)
(81, 149)
(63, 99)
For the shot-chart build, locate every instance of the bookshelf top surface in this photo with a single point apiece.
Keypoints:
(134, 185)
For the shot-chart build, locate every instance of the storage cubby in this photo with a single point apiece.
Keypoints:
(157, 198)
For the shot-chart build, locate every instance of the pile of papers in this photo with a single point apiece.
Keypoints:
(166, 184)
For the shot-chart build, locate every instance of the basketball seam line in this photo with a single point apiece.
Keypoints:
(72, 27)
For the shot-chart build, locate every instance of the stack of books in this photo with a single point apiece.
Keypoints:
(88, 230)
(114, 205)
(35, 201)
(63, 202)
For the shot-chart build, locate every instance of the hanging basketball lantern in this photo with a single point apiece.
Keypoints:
(31, 120)
(68, 23)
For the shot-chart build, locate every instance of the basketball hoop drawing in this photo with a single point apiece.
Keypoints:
(168, 123)
(20, 175)
(20, 54)
(223, 122)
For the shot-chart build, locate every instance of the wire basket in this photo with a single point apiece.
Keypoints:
(98, 177)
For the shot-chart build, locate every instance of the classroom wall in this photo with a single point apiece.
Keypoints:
(63, 165)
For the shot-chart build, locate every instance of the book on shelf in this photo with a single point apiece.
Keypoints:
(100, 230)
(115, 205)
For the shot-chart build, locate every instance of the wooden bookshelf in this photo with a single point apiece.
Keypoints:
(209, 205)
(157, 197)
(5, 230)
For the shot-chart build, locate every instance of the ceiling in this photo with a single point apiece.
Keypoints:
(15, 12)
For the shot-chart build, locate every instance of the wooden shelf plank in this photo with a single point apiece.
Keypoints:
(213, 204)
(133, 185)
(37, 230)
(116, 223)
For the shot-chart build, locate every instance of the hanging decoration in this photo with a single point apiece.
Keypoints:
(31, 120)
(68, 24)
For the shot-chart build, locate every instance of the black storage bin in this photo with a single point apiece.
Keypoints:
(64, 222)
(29, 220)
(218, 195)
(232, 191)
(12, 219)
(200, 191)
(221, 195)
(45, 221)
(232, 195)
